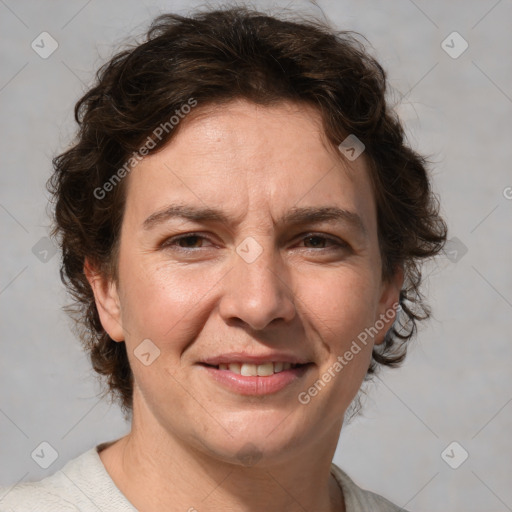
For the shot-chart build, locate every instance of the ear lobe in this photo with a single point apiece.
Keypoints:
(107, 301)
(388, 304)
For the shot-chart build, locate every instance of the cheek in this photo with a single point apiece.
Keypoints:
(163, 303)
(339, 308)
(340, 304)
(166, 307)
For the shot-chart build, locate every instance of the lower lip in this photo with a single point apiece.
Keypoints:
(256, 385)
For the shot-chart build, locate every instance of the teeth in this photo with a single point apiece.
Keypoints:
(235, 368)
(253, 370)
(264, 370)
(249, 370)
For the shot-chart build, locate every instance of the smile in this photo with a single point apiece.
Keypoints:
(260, 370)
(256, 379)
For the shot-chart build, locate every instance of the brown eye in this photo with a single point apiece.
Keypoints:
(184, 242)
(323, 242)
(190, 242)
(316, 241)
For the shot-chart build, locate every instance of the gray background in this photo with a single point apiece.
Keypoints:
(456, 382)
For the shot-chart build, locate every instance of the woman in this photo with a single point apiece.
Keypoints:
(242, 228)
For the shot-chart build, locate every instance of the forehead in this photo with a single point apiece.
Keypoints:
(242, 158)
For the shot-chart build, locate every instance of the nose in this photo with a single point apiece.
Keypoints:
(257, 293)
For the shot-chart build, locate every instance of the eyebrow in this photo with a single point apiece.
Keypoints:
(295, 216)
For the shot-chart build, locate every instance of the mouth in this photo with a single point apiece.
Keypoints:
(256, 370)
(264, 378)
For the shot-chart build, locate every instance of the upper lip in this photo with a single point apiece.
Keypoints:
(243, 357)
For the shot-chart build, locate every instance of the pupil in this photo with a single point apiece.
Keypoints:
(190, 241)
(318, 240)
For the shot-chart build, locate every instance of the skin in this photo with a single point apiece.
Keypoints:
(303, 296)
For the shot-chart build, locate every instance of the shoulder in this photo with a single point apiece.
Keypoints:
(82, 485)
(33, 497)
(55, 492)
(361, 500)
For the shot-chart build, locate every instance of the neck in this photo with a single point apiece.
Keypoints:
(157, 471)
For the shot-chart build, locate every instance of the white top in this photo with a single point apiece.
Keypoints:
(83, 485)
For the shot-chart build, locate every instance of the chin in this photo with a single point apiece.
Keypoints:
(261, 439)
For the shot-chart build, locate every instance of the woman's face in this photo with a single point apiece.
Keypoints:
(248, 266)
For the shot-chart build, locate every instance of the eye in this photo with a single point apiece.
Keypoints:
(318, 241)
(185, 242)
(194, 241)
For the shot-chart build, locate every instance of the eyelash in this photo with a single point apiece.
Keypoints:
(337, 244)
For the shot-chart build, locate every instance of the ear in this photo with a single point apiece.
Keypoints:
(388, 304)
(107, 301)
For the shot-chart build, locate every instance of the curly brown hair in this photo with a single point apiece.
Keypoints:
(215, 57)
